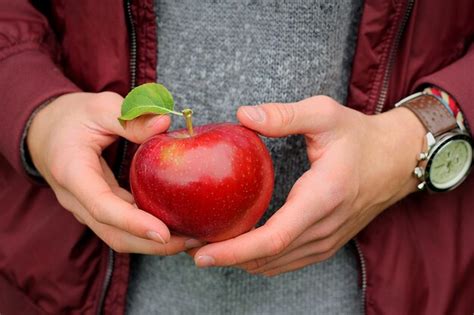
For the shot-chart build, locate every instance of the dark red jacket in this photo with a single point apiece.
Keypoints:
(418, 255)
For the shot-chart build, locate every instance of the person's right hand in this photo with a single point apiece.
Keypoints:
(65, 141)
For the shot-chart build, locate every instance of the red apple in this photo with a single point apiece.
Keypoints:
(213, 185)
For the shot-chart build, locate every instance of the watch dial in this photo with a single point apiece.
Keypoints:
(450, 164)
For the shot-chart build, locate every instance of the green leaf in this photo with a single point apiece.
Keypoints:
(148, 98)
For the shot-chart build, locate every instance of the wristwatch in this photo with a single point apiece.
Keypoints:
(449, 154)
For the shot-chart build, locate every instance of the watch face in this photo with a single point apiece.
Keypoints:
(450, 164)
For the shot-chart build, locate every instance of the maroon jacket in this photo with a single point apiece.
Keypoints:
(417, 257)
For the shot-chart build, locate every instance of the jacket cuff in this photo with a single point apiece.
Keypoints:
(26, 160)
(27, 80)
(457, 80)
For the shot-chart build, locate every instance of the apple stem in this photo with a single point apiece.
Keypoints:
(188, 115)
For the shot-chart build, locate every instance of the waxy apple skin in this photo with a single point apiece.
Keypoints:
(212, 186)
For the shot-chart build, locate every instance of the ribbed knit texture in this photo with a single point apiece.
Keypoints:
(217, 55)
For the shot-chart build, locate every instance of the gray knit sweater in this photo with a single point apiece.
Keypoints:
(215, 55)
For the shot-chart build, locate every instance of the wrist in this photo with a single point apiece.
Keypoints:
(403, 138)
(38, 132)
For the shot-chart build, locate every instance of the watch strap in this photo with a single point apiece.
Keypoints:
(450, 103)
(432, 113)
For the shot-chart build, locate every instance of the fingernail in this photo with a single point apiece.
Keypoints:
(254, 112)
(192, 243)
(155, 236)
(205, 261)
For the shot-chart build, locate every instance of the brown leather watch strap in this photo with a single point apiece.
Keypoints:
(432, 113)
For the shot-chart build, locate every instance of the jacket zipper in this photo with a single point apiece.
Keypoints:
(133, 72)
(392, 57)
(378, 109)
(107, 280)
(133, 45)
(364, 273)
(132, 67)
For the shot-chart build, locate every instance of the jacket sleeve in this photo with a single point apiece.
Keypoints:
(457, 79)
(28, 74)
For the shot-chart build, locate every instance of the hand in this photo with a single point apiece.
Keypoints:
(65, 141)
(359, 166)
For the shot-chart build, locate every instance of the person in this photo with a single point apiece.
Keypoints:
(64, 70)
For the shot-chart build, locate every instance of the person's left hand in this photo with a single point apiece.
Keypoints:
(360, 165)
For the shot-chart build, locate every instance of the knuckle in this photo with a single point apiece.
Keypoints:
(125, 222)
(326, 247)
(116, 244)
(127, 225)
(285, 114)
(326, 255)
(162, 250)
(278, 242)
(95, 210)
(328, 107)
(249, 266)
(63, 170)
(134, 131)
(101, 102)
(234, 260)
(261, 262)
(336, 193)
(79, 219)
(324, 99)
(257, 263)
(63, 200)
(98, 210)
(95, 102)
(57, 171)
(107, 97)
(325, 231)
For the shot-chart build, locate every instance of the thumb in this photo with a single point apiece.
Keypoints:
(137, 130)
(308, 116)
(140, 129)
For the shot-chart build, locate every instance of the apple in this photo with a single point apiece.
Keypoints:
(212, 183)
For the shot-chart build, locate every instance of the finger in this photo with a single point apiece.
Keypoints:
(86, 182)
(124, 242)
(322, 252)
(110, 179)
(192, 252)
(311, 115)
(144, 127)
(311, 249)
(287, 224)
(137, 130)
(323, 232)
(108, 174)
(299, 264)
(327, 246)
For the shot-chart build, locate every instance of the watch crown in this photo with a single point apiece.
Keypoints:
(419, 172)
(421, 186)
(422, 156)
